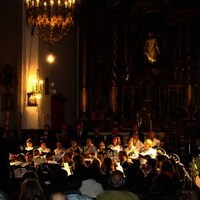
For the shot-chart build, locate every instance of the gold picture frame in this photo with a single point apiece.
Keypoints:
(31, 100)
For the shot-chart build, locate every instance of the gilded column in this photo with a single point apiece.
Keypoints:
(83, 73)
(115, 71)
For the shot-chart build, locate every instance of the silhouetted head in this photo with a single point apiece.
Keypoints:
(116, 179)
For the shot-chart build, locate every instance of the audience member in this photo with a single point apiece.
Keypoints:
(3, 196)
(90, 186)
(117, 189)
(135, 178)
(31, 189)
(80, 168)
(4, 161)
(58, 196)
(124, 162)
(150, 172)
(165, 185)
(73, 184)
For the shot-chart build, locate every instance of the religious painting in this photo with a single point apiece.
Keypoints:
(31, 100)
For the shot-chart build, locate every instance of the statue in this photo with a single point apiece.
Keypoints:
(151, 49)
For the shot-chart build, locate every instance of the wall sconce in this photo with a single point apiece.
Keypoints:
(35, 95)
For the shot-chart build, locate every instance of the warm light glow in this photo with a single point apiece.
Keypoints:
(113, 98)
(84, 99)
(37, 87)
(50, 58)
(51, 19)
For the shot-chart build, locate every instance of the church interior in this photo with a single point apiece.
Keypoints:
(122, 61)
(102, 65)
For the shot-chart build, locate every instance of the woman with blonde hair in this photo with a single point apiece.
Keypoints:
(147, 149)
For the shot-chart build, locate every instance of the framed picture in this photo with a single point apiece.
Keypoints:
(31, 100)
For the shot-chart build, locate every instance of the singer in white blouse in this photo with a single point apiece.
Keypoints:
(89, 149)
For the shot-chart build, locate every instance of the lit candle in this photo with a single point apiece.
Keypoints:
(51, 3)
(37, 3)
(59, 3)
(189, 93)
(45, 4)
(41, 86)
(27, 3)
(84, 99)
(34, 85)
(66, 4)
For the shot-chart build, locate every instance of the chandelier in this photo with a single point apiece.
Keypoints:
(50, 19)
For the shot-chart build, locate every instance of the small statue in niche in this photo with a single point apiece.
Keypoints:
(151, 49)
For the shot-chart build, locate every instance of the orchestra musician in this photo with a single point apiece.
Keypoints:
(148, 150)
(131, 150)
(74, 149)
(43, 149)
(155, 141)
(28, 146)
(115, 133)
(114, 148)
(101, 148)
(59, 151)
(135, 129)
(136, 141)
(89, 149)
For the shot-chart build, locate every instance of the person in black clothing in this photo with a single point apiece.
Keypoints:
(65, 135)
(150, 172)
(4, 161)
(80, 134)
(124, 162)
(115, 133)
(135, 129)
(49, 136)
(97, 137)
